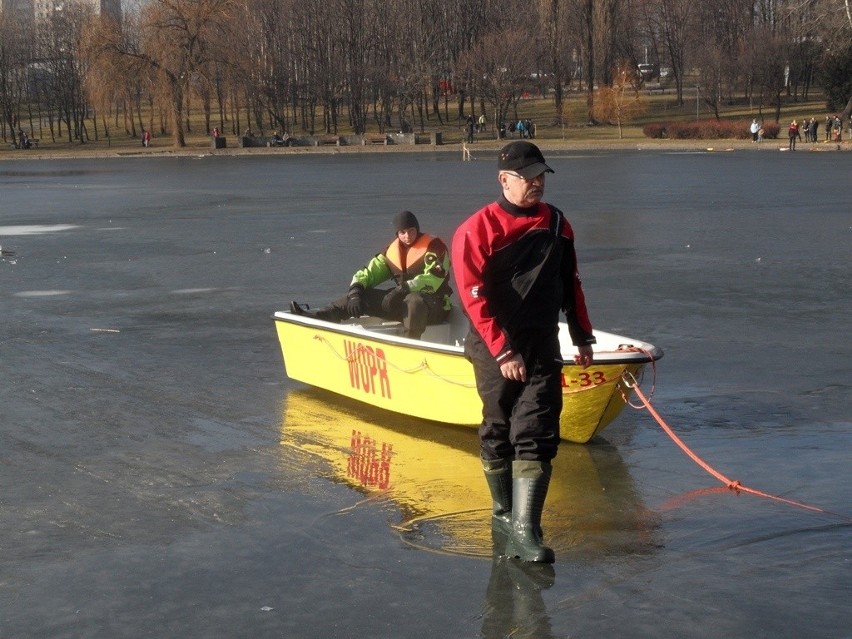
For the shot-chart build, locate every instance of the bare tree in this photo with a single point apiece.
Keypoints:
(553, 15)
(837, 61)
(620, 103)
(267, 59)
(596, 38)
(502, 62)
(769, 68)
(672, 19)
(59, 46)
(175, 41)
(14, 58)
(588, 22)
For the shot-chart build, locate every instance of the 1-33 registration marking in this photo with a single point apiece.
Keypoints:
(584, 379)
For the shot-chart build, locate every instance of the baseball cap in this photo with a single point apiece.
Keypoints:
(524, 158)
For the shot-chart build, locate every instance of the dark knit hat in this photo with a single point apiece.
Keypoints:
(524, 158)
(405, 220)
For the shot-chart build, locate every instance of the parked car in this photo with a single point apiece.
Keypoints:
(648, 71)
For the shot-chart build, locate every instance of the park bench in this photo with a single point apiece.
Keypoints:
(375, 138)
(322, 140)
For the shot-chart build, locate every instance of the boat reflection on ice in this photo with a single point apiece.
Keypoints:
(431, 474)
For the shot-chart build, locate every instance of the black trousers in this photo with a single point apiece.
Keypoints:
(520, 420)
(414, 310)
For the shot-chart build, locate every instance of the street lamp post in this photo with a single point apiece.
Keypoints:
(696, 102)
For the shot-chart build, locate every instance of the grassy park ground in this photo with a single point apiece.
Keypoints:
(574, 133)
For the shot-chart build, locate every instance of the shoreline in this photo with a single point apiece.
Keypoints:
(197, 150)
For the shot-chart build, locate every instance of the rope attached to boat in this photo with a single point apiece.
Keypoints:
(731, 484)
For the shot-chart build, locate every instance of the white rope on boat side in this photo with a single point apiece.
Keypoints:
(423, 366)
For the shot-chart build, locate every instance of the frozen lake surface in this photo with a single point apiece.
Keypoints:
(161, 476)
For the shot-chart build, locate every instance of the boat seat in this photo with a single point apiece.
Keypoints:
(439, 333)
(386, 328)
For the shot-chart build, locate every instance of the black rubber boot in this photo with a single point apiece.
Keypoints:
(327, 314)
(530, 481)
(498, 475)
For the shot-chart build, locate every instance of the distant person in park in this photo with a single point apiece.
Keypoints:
(813, 126)
(515, 269)
(793, 134)
(146, 138)
(755, 127)
(216, 133)
(23, 140)
(481, 123)
(828, 123)
(419, 266)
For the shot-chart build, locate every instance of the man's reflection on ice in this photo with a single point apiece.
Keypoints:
(514, 606)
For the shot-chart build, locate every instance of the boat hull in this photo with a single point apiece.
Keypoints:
(433, 380)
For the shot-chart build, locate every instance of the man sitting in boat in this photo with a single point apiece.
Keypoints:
(418, 263)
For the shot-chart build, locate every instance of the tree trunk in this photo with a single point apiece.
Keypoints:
(177, 102)
(589, 16)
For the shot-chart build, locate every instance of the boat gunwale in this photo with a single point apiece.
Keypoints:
(641, 356)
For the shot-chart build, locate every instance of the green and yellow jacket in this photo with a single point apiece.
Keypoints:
(424, 268)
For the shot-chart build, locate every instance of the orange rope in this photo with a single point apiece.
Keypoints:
(735, 484)
(634, 349)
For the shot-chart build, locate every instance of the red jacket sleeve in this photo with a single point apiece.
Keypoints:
(470, 252)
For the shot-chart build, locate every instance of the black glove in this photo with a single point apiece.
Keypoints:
(354, 304)
(394, 298)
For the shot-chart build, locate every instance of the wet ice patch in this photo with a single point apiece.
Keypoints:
(35, 229)
(466, 533)
(192, 291)
(41, 293)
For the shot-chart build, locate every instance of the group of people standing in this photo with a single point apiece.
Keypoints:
(515, 269)
(524, 129)
(810, 128)
(834, 129)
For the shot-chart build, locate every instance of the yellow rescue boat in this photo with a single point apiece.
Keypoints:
(368, 360)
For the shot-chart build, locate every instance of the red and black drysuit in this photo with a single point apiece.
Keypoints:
(515, 270)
